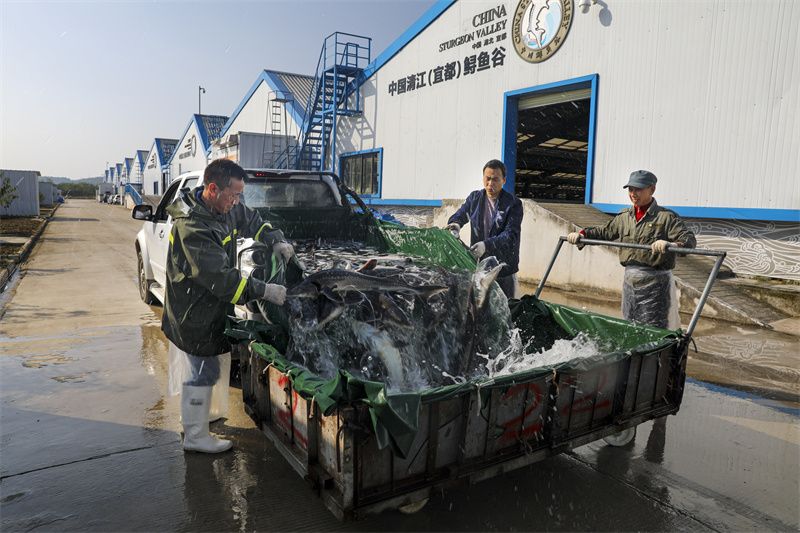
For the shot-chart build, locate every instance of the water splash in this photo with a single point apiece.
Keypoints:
(518, 357)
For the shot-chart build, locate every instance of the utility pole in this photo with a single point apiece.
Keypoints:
(200, 91)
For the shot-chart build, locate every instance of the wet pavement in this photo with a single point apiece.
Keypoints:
(750, 358)
(90, 441)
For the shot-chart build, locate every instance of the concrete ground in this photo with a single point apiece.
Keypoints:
(90, 441)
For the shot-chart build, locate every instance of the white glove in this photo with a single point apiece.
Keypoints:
(285, 249)
(454, 228)
(575, 238)
(275, 293)
(660, 246)
(478, 249)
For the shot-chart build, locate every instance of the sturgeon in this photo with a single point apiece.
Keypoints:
(324, 296)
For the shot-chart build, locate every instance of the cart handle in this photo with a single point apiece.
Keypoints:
(688, 251)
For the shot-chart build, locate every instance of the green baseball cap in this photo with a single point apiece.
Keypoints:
(641, 179)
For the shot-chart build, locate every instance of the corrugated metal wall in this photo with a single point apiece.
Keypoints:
(703, 93)
(257, 150)
(27, 190)
(47, 193)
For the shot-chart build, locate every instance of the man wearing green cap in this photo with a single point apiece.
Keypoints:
(647, 288)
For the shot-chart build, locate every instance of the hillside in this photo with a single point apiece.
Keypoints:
(59, 180)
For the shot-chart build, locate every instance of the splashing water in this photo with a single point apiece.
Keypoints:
(381, 345)
(451, 337)
(517, 357)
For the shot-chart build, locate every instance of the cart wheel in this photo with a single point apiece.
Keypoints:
(413, 507)
(622, 438)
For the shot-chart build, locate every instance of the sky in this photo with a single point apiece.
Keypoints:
(85, 83)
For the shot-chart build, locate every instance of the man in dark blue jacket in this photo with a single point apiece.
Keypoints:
(495, 216)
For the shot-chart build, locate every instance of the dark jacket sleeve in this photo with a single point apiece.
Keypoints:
(608, 232)
(208, 265)
(678, 232)
(508, 238)
(461, 217)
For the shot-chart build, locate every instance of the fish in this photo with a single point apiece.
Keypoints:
(485, 274)
(324, 296)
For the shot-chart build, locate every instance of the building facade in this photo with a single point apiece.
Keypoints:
(191, 152)
(155, 176)
(266, 124)
(573, 102)
(26, 192)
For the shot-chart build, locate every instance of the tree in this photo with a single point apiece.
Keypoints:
(78, 190)
(6, 191)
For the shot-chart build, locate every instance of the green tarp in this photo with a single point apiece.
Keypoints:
(395, 416)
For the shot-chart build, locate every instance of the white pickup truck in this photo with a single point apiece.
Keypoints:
(302, 204)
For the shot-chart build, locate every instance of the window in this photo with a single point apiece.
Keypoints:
(362, 172)
(171, 195)
(155, 188)
(292, 192)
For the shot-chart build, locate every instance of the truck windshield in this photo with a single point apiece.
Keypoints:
(292, 192)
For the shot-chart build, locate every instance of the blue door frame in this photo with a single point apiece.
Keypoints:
(511, 118)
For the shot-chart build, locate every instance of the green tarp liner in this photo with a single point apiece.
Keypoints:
(435, 245)
(395, 416)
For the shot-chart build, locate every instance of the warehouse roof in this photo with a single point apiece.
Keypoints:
(165, 147)
(141, 156)
(209, 128)
(15, 176)
(299, 86)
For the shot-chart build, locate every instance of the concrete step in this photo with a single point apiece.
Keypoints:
(729, 298)
(151, 199)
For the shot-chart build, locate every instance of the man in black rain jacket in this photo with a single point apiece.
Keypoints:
(203, 285)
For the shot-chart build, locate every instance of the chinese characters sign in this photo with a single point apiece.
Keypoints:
(470, 65)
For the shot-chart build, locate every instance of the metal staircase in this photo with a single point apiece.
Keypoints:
(341, 61)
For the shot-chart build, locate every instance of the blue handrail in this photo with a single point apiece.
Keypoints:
(134, 194)
(341, 61)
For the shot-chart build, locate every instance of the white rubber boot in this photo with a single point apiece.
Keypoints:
(195, 404)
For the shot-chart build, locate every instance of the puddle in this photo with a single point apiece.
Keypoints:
(735, 355)
(41, 361)
(79, 378)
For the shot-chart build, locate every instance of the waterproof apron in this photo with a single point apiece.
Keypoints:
(211, 371)
(649, 296)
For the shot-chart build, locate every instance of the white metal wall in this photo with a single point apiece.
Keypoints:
(152, 172)
(703, 93)
(254, 116)
(26, 204)
(194, 158)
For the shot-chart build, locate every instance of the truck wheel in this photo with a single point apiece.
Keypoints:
(413, 507)
(622, 438)
(144, 283)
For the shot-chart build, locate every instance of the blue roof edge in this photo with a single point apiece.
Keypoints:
(298, 110)
(205, 135)
(415, 29)
(157, 142)
(276, 85)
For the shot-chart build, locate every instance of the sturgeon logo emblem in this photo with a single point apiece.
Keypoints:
(539, 27)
